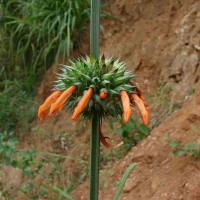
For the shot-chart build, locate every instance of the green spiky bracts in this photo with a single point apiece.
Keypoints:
(105, 75)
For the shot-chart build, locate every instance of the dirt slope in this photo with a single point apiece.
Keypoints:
(160, 41)
(159, 175)
(157, 39)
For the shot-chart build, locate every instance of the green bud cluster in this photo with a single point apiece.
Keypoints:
(105, 74)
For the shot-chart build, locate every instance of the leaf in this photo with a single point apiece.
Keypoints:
(92, 60)
(123, 181)
(174, 144)
(179, 153)
(143, 129)
(62, 193)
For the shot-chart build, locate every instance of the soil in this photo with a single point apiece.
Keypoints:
(160, 42)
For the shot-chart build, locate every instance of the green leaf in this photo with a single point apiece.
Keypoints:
(174, 144)
(123, 181)
(179, 153)
(92, 59)
(143, 129)
(62, 193)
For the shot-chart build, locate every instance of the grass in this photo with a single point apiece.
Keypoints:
(163, 103)
(34, 34)
(43, 31)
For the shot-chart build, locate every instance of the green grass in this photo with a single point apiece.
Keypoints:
(34, 34)
(43, 31)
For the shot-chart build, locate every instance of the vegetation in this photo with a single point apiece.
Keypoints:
(132, 133)
(49, 168)
(164, 103)
(191, 149)
(123, 181)
(33, 35)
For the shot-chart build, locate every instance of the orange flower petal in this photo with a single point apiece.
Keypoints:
(145, 103)
(106, 144)
(82, 103)
(43, 109)
(59, 104)
(143, 112)
(127, 111)
(62, 107)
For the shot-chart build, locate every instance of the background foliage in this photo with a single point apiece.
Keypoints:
(34, 34)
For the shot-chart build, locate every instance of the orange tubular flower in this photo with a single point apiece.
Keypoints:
(62, 107)
(145, 103)
(103, 95)
(59, 104)
(143, 111)
(106, 144)
(82, 103)
(43, 109)
(127, 111)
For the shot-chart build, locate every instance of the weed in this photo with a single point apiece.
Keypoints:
(192, 149)
(132, 133)
(123, 181)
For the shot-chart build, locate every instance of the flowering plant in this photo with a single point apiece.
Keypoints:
(89, 86)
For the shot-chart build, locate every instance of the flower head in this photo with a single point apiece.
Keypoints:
(89, 86)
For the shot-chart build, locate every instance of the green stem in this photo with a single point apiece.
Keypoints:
(94, 28)
(95, 136)
(94, 157)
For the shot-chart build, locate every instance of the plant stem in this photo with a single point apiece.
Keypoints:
(94, 28)
(95, 136)
(94, 158)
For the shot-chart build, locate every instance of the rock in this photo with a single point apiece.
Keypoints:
(130, 184)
